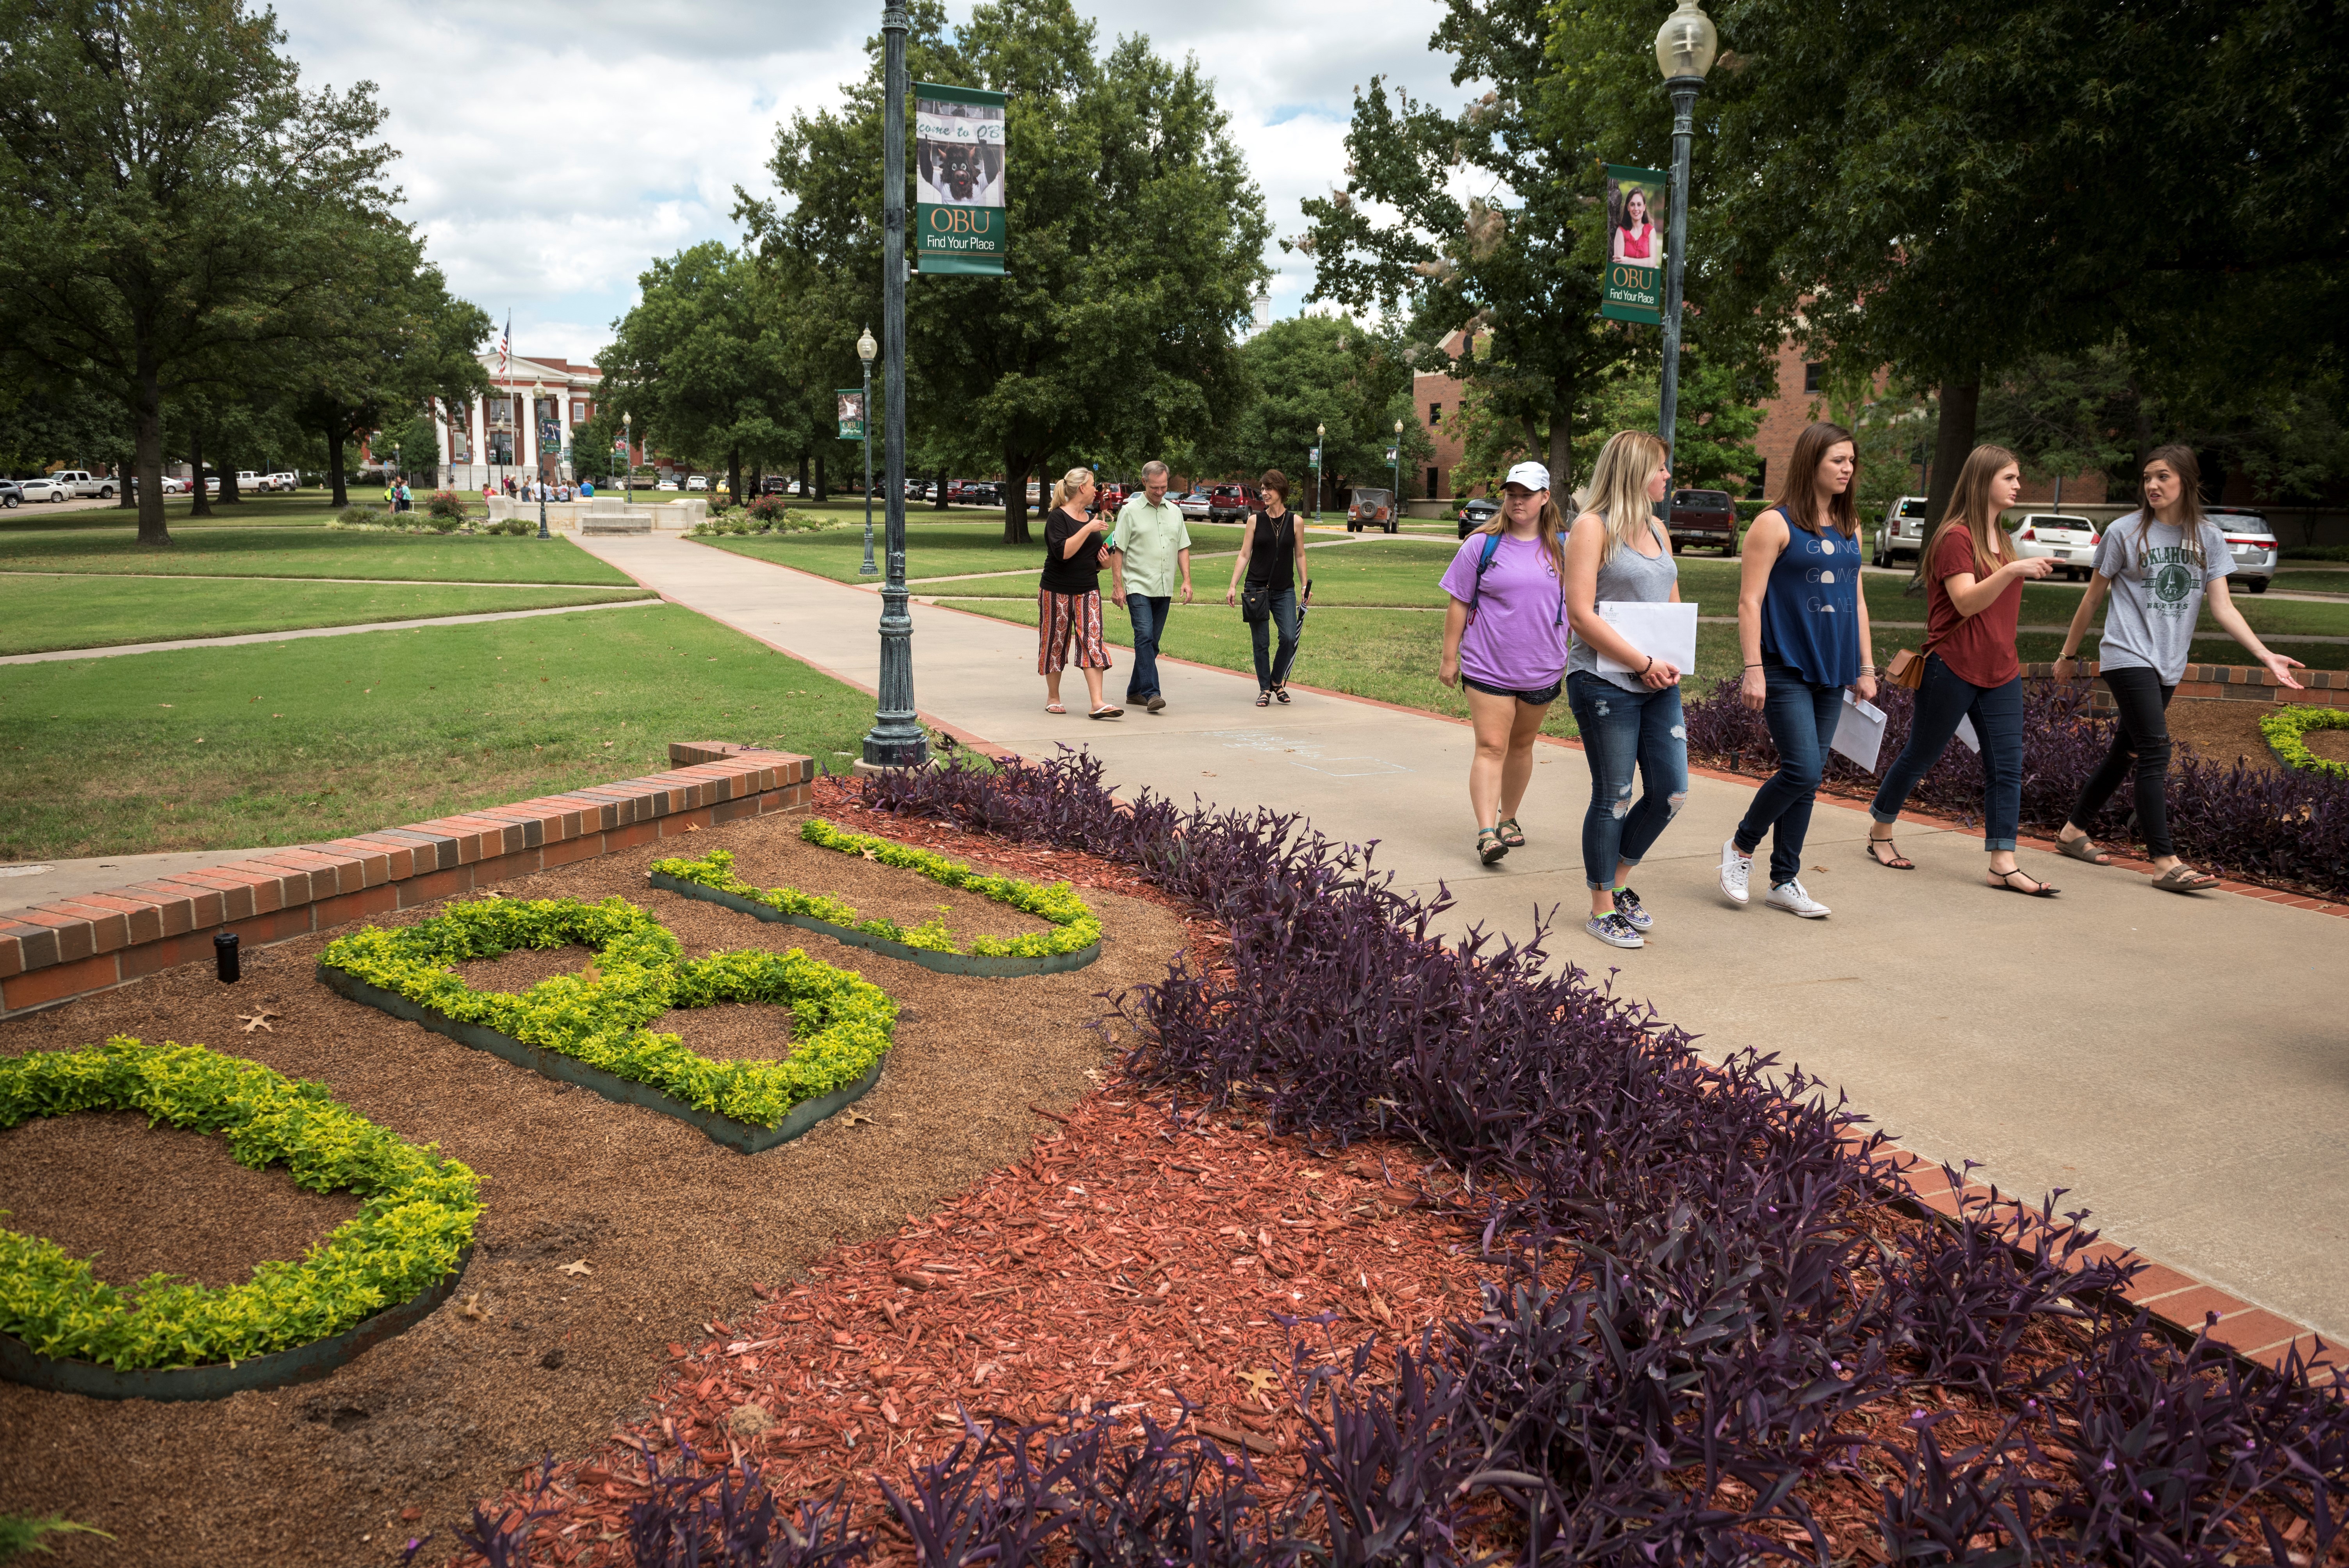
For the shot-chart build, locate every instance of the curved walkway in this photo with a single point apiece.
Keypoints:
(115, 650)
(2173, 1063)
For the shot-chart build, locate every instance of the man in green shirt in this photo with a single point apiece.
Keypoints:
(1148, 550)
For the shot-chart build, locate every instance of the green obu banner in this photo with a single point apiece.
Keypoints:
(852, 412)
(1634, 282)
(958, 181)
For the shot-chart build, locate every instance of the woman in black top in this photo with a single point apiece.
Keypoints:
(1272, 561)
(1068, 598)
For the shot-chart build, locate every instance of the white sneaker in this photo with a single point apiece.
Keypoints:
(1790, 897)
(1735, 868)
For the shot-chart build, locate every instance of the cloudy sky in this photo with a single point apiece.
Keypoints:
(551, 150)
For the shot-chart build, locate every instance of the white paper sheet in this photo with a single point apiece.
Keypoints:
(1966, 733)
(1859, 731)
(1667, 632)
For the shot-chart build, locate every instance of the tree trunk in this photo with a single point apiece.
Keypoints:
(1960, 409)
(333, 430)
(734, 476)
(230, 494)
(147, 430)
(125, 469)
(202, 493)
(1015, 497)
(938, 496)
(805, 493)
(822, 490)
(1561, 447)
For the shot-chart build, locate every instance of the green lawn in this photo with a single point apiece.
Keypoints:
(936, 549)
(272, 537)
(38, 613)
(288, 743)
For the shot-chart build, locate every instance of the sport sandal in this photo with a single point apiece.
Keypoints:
(1490, 845)
(2085, 850)
(2183, 878)
(1511, 834)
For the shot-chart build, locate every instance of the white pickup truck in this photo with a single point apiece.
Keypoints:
(280, 481)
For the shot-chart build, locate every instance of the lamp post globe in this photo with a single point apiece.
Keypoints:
(1686, 46)
(866, 349)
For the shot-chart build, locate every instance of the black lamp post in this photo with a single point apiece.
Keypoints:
(897, 739)
(538, 396)
(1321, 439)
(1685, 47)
(866, 349)
(628, 461)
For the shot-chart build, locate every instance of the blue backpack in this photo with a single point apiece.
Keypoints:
(1484, 564)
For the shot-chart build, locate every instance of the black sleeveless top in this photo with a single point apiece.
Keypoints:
(1272, 552)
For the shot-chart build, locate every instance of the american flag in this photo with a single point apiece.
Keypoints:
(506, 345)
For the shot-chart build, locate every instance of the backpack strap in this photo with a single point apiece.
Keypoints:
(1484, 564)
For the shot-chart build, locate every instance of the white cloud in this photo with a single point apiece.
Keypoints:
(549, 153)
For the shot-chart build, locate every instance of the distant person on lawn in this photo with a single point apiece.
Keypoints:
(1148, 550)
(1068, 596)
(1272, 564)
(2157, 563)
(1973, 599)
(1504, 644)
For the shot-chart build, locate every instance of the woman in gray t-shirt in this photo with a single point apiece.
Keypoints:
(2158, 564)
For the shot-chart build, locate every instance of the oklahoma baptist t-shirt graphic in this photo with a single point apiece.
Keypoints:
(2157, 593)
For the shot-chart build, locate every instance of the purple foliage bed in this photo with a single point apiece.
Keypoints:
(2282, 826)
(1695, 1318)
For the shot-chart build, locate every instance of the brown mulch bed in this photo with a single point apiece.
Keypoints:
(675, 1231)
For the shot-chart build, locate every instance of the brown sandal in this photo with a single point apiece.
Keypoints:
(1899, 862)
(2004, 885)
(2083, 850)
(2183, 878)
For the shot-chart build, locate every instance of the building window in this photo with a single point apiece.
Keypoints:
(578, 411)
(1433, 485)
(1435, 415)
(1810, 378)
(501, 448)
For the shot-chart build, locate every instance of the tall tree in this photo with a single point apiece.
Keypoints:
(700, 361)
(1312, 372)
(170, 187)
(1136, 244)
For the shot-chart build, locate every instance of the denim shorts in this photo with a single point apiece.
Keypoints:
(1541, 698)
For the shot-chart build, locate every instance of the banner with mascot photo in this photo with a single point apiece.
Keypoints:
(1637, 203)
(958, 181)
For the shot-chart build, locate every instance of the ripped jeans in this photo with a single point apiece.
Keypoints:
(1621, 730)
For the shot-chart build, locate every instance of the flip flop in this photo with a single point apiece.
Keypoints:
(1107, 713)
(2183, 878)
(1055, 707)
(1899, 862)
(2004, 885)
(2083, 850)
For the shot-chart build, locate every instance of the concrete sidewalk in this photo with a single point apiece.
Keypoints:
(2174, 1062)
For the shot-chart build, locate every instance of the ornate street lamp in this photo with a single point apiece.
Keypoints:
(897, 739)
(1685, 47)
(538, 394)
(1321, 439)
(628, 461)
(1398, 473)
(866, 349)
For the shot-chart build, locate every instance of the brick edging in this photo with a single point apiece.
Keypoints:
(2238, 683)
(94, 942)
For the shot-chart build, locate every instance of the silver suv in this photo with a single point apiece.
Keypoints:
(2253, 543)
(1902, 532)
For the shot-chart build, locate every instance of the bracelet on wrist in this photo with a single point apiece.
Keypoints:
(1753, 666)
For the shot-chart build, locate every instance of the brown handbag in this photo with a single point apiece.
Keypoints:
(1907, 669)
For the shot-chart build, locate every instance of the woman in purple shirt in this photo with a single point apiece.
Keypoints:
(1504, 644)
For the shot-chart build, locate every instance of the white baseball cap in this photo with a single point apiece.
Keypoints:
(1533, 476)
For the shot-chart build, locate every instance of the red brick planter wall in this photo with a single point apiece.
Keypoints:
(2326, 689)
(99, 940)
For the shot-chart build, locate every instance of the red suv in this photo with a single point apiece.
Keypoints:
(1230, 502)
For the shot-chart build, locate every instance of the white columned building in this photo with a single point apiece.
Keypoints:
(497, 439)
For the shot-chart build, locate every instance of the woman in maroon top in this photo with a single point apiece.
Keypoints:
(1973, 597)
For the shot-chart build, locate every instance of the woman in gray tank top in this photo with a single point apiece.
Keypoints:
(1629, 721)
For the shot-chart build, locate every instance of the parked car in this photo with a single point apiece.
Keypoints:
(1703, 518)
(44, 487)
(81, 485)
(697, 482)
(2253, 544)
(1230, 502)
(1902, 532)
(279, 481)
(1193, 506)
(12, 495)
(1371, 508)
(1475, 512)
(666, 485)
(169, 485)
(2069, 542)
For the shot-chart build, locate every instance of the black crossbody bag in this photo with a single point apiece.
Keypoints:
(1256, 604)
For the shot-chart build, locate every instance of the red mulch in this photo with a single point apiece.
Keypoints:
(1140, 1253)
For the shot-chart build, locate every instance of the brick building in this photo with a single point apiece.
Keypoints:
(500, 437)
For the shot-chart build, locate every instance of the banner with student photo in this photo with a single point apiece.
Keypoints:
(852, 412)
(958, 181)
(1636, 202)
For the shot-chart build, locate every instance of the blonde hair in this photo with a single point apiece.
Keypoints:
(1619, 489)
(1069, 484)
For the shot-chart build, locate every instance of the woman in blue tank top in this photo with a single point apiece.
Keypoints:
(1802, 622)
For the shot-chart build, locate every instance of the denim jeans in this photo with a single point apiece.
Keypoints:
(1946, 697)
(1274, 672)
(1149, 617)
(2140, 745)
(1802, 719)
(1621, 729)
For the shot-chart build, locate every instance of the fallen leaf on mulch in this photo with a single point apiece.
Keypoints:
(259, 1020)
(575, 1269)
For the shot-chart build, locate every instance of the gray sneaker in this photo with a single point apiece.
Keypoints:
(1790, 897)
(1628, 905)
(1615, 931)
